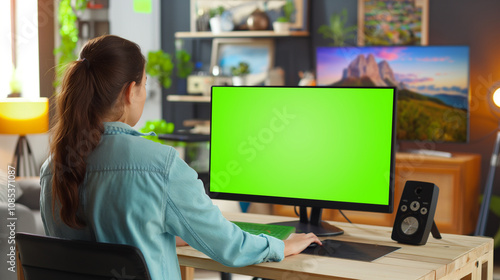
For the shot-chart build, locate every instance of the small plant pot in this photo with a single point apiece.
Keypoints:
(239, 80)
(281, 27)
(216, 24)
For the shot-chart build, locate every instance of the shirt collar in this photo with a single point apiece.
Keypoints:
(113, 128)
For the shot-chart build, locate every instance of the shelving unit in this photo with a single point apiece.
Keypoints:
(241, 34)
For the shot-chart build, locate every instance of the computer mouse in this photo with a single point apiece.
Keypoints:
(313, 245)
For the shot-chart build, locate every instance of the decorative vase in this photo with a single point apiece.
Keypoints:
(258, 20)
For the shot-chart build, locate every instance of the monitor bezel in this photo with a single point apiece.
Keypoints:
(389, 208)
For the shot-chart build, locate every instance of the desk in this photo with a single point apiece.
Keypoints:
(453, 257)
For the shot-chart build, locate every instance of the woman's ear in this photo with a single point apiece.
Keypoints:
(129, 93)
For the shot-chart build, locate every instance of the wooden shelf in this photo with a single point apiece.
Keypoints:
(188, 98)
(237, 34)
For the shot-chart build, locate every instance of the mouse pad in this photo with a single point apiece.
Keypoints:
(350, 250)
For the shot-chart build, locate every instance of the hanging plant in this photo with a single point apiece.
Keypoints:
(68, 31)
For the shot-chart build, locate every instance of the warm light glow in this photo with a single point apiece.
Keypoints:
(24, 116)
(496, 97)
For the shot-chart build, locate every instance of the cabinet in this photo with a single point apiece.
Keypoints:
(458, 180)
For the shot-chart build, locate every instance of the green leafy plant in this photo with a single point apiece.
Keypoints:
(288, 10)
(68, 31)
(184, 64)
(160, 65)
(242, 69)
(216, 11)
(158, 127)
(337, 31)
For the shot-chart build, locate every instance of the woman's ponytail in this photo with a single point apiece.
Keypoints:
(90, 91)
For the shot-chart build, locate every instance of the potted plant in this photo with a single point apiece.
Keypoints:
(160, 65)
(216, 19)
(239, 73)
(282, 24)
(337, 30)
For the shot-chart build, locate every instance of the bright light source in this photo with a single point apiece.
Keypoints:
(496, 97)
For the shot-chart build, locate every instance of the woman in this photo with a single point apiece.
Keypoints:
(104, 182)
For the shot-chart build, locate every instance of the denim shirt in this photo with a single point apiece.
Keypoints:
(142, 193)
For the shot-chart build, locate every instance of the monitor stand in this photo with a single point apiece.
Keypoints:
(314, 224)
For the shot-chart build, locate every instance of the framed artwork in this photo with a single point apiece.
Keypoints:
(240, 10)
(393, 22)
(300, 18)
(257, 53)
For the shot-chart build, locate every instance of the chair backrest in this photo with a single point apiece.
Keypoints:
(44, 257)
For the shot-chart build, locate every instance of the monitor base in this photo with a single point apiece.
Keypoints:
(313, 223)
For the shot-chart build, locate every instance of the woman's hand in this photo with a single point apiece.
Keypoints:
(297, 242)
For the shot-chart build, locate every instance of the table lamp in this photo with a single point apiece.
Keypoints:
(24, 116)
(494, 104)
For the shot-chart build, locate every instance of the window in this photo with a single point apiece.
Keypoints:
(21, 50)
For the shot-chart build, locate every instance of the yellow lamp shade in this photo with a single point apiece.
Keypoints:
(24, 116)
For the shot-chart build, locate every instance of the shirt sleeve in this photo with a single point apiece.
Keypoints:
(190, 214)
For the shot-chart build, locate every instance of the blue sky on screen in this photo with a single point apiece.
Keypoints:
(428, 70)
(256, 57)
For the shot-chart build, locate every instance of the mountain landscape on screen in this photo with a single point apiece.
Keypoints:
(432, 85)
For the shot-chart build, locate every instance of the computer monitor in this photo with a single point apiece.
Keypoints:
(432, 84)
(318, 147)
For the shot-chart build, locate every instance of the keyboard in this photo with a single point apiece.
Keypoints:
(278, 231)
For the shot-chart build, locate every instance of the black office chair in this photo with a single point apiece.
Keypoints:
(44, 257)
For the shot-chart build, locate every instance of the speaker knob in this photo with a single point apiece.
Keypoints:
(409, 225)
(414, 206)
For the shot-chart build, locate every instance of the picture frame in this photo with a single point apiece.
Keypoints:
(393, 22)
(301, 15)
(258, 53)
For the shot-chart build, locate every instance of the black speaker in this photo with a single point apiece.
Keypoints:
(415, 217)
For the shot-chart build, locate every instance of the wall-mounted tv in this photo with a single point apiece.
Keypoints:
(432, 84)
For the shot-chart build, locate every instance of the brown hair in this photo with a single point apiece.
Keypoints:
(91, 90)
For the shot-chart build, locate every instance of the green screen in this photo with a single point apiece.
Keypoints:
(329, 144)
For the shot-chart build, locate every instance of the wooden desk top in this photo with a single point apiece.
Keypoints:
(452, 257)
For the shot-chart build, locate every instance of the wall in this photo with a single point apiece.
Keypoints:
(451, 22)
(144, 30)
